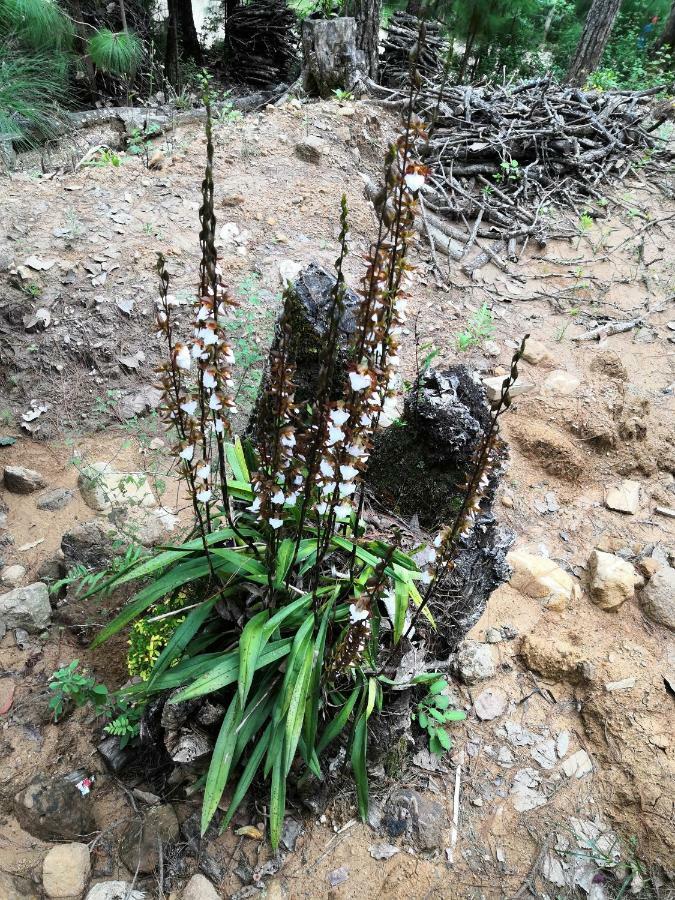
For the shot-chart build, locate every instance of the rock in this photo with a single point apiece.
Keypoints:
(491, 703)
(54, 500)
(89, 544)
(562, 744)
(134, 405)
(524, 790)
(103, 489)
(545, 753)
(200, 888)
(51, 570)
(493, 636)
(493, 387)
(114, 890)
(577, 765)
(26, 607)
(139, 845)
(410, 812)
(288, 271)
(53, 809)
(626, 684)
(557, 660)
(20, 480)
(11, 576)
(311, 149)
(542, 579)
(612, 580)
(658, 597)
(149, 527)
(536, 353)
(624, 498)
(561, 383)
(14, 888)
(474, 661)
(66, 871)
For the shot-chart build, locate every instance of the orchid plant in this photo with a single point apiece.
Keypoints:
(289, 610)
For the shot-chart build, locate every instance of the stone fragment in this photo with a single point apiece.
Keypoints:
(562, 744)
(537, 353)
(408, 811)
(200, 888)
(545, 753)
(493, 636)
(561, 383)
(311, 149)
(491, 703)
(658, 597)
(139, 845)
(474, 661)
(624, 498)
(66, 870)
(103, 489)
(53, 809)
(20, 480)
(26, 607)
(624, 685)
(14, 888)
(289, 270)
(577, 765)
(542, 579)
(493, 387)
(557, 660)
(54, 500)
(612, 580)
(524, 791)
(11, 576)
(89, 544)
(114, 890)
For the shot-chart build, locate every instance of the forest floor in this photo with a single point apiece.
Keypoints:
(577, 765)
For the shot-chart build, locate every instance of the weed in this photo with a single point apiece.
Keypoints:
(585, 222)
(104, 157)
(140, 141)
(33, 289)
(341, 95)
(433, 712)
(479, 327)
(227, 113)
(70, 687)
(509, 170)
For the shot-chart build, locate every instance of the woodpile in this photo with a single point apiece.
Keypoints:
(261, 43)
(402, 33)
(505, 158)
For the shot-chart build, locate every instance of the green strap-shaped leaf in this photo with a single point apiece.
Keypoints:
(339, 722)
(285, 553)
(277, 801)
(358, 758)
(401, 594)
(296, 709)
(221, 760)
(181, 638)
(232, 562)
(312, 708)
(247, 775)
(250, 644)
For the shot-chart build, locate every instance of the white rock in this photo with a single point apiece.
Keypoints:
(26, 607)
(658, 597)
(624, 685)
(493, 387)
(288, 271)
(65, 871)
(200, 888)
(561, 383)
(114, 890)
(624, 498)
(474, 661)
(536, 353)
(524, 790)
(542, 579)
(103, 489)
(578, 764)
(491, 703)
(545, 754)
(612, 580)
(562, 744)
(11, 576)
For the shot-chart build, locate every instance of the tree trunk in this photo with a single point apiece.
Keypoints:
(547, 24)
(123, 16)
(330, 56)
(667, 36)
(367, 15)
(597, 29)
(171, 50)
(414, 7)
(470, 38)
(188, 36)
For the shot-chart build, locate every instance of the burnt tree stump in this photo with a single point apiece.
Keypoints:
(331, 59)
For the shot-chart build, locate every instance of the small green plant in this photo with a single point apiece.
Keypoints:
(509, 170)
(342, 96)
(72, 688)
(149, 636)
(227, 113)
(433, 713)
(479, 327)
(585, 222)
(32, 289)
(105, 157)
(127, 722)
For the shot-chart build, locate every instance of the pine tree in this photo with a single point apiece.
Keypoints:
(597, 29)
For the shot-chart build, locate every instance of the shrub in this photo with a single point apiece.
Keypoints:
(119, 53)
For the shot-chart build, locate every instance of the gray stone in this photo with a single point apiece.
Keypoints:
(491, 703)
(311, 149)
(624, 498)
(89, 544)
(200, 888)
(26, 607)
(474, 661)
(525, 791)
(410, 812)
(20, 480)
(658, 597)
(51, 570)
(114, 890)
(66, 870)
(612, 580)
(53, 809)
(11, 576)
(493, 636)
(54, 500)
(103, 489)
(139, 845)
(14, 888)
(577, 765)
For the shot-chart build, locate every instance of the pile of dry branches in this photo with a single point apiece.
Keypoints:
(261, 43)
(402, 34)
(507, 160)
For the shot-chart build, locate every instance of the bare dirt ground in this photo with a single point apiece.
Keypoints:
(83, 247)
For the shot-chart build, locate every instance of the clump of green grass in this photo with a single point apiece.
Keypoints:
(480, 327)
(32, 87)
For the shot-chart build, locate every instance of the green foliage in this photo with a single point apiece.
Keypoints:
(105, 157)
(149, 636)
(479, 327)
(72, 688)
(342, 95)
(40, 25)
(433, 713)
(126, 724)
(509, 170)
(32, 87)
(119, 53)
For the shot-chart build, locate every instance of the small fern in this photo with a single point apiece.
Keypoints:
(118, 53)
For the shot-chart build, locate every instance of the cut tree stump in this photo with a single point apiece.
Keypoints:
(331, 59)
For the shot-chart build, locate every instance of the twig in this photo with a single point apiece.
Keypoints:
(455, 817)
(603, 331)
